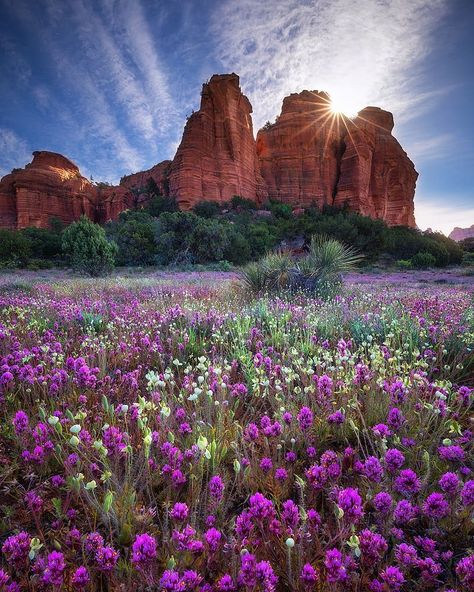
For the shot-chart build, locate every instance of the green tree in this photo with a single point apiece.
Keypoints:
(87, 249)
(15, 248)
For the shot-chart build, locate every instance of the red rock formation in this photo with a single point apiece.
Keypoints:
(459, 234)
(217, 158)
(310, 155)
(159, 174)
(52, 186)
(376, 177)
(299, 153)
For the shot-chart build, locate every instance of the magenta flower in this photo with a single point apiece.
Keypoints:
(106, 558)
(53, 572)
(143, 550)
(407, 482)
(435, 506)
(351, 502)
(305, 418)
(309, 575)
(467, 493)
(393, 578)
(16, 548)
(80, 578)
(216, 488)
(335, 569)
(179, 512)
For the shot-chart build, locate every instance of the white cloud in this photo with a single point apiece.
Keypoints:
(363, 52)
(432, 148)
(14, 151)
(432, 213)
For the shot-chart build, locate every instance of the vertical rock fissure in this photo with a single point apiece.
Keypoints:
(339, 153)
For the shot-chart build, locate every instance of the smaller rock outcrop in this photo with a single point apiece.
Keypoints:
(158, 173)
(459, 234)
(52, 186)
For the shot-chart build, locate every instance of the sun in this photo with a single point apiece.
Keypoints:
(343, 106)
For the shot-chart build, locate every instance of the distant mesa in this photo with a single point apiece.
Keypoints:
(308, 156)
(459, 234)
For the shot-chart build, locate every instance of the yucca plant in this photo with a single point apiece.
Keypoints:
(319, 272)
(322, 268)
(272, 273)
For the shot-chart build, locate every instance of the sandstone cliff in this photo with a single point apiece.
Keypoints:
(217, 158)
(309, 155)
(52, 186)
(459, 234)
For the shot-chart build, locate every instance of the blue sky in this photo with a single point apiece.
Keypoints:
(109, 83)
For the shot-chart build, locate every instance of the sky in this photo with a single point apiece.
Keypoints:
(109, 83)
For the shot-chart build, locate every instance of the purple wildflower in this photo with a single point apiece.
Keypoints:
(351, 503)
(143, 550)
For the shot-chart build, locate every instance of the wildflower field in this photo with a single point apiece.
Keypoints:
(175, 434)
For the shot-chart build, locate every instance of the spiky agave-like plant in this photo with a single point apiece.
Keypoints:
(322, 268)
(271, 273)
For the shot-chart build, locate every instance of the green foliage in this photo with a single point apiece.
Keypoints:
(319, 272)
(87, 249)
(207, 209)
(280, 210)
(238, 249)
(136, 242)
(467, 244)
(242, 203)
(15, 248)
(45, 244)
(423, 260)
(404, 264)
(159, 204)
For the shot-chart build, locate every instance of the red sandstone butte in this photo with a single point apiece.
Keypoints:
(310, 155)
(217, 158)
(52, 186)
(299, 153)
(376, 177)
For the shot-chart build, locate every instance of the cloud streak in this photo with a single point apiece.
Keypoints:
(14, 151)
(370, 49)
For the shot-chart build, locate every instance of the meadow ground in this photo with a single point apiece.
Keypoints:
(165, 431)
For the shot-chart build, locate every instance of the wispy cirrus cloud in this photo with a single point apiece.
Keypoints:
(363, 53)
(14, 151)
(116, 97)
(435, 147)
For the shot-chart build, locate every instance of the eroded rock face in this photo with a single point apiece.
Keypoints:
(159, 174)
(310, 155)
(299, 153)
(52, 186)
(217, 158)
(459, 234)
(376, 177)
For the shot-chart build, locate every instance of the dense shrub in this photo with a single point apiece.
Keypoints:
(242, 203)
(87, 249)
(423, 260)
(15, 248)
(467, 244)
(45, 243)
(207, 209)
(160, 204)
